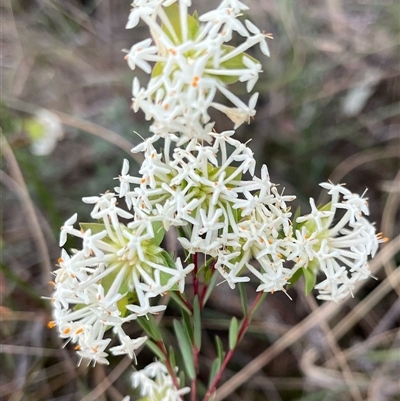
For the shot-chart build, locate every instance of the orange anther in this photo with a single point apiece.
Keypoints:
(195, 81)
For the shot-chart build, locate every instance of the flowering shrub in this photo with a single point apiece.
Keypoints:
(233, 226)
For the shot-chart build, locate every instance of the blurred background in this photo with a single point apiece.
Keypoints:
(329, 109)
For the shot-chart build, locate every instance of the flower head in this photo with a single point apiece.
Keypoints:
(189, 61)
(202, 190)
(337, 240)
(156, 383)
(112, 279)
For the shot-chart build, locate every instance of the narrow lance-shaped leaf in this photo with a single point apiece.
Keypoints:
(172, 355)
(243, 297)
(197, 322)
(255, 309)
(149, 325)
(186, 348)
(173, 15)
(156, 350)
(177, 299)
(159, 233)
(310, 278)
(234, 63)
(296, 276)
(233, 333)
(94, 227)
(220, 348)
(187, 324)
(215, 367)
(211, 286)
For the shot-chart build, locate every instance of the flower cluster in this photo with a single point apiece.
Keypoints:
(156, 384)
(201, 189)
(337, 245)
(191, 62)
(112, 279)
(203, 184)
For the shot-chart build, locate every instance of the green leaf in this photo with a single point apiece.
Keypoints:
(215, 367)
(186, 348)
(181, 376)
(172, 355)
(197, 322)
(208, 272)
(230, 171)
(169, 262)
(233, 333)
(234, 63)
(220, 348)
(156, 350)
(176, 298)
(310, 278)
(174, 17)
(243, 297)
(255, 309)
(149, 325)
(295, 278)
(159, 233)
(95, 227)
(211, 286)
(158, 69)
(187, 322)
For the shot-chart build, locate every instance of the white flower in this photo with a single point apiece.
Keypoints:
(67, 228)
(156, 384)
(95, 288)
(189, 61)
(44, 130)
(201, 186)
(337, 246)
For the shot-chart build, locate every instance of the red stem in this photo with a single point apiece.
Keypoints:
(195, 278)
(168, 365)
(189, 306)
(205, 288)
(242, 330)
(193, 390)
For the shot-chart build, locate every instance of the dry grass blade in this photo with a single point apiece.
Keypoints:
(388, 222)
(360, 348)
(347, 374)
(109, 380)
(99, 131)
(368, 303)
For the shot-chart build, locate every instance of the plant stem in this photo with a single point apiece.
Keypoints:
(193, 390)
(195, 278)
(205, 287)
(242, 330)
(168, 365)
